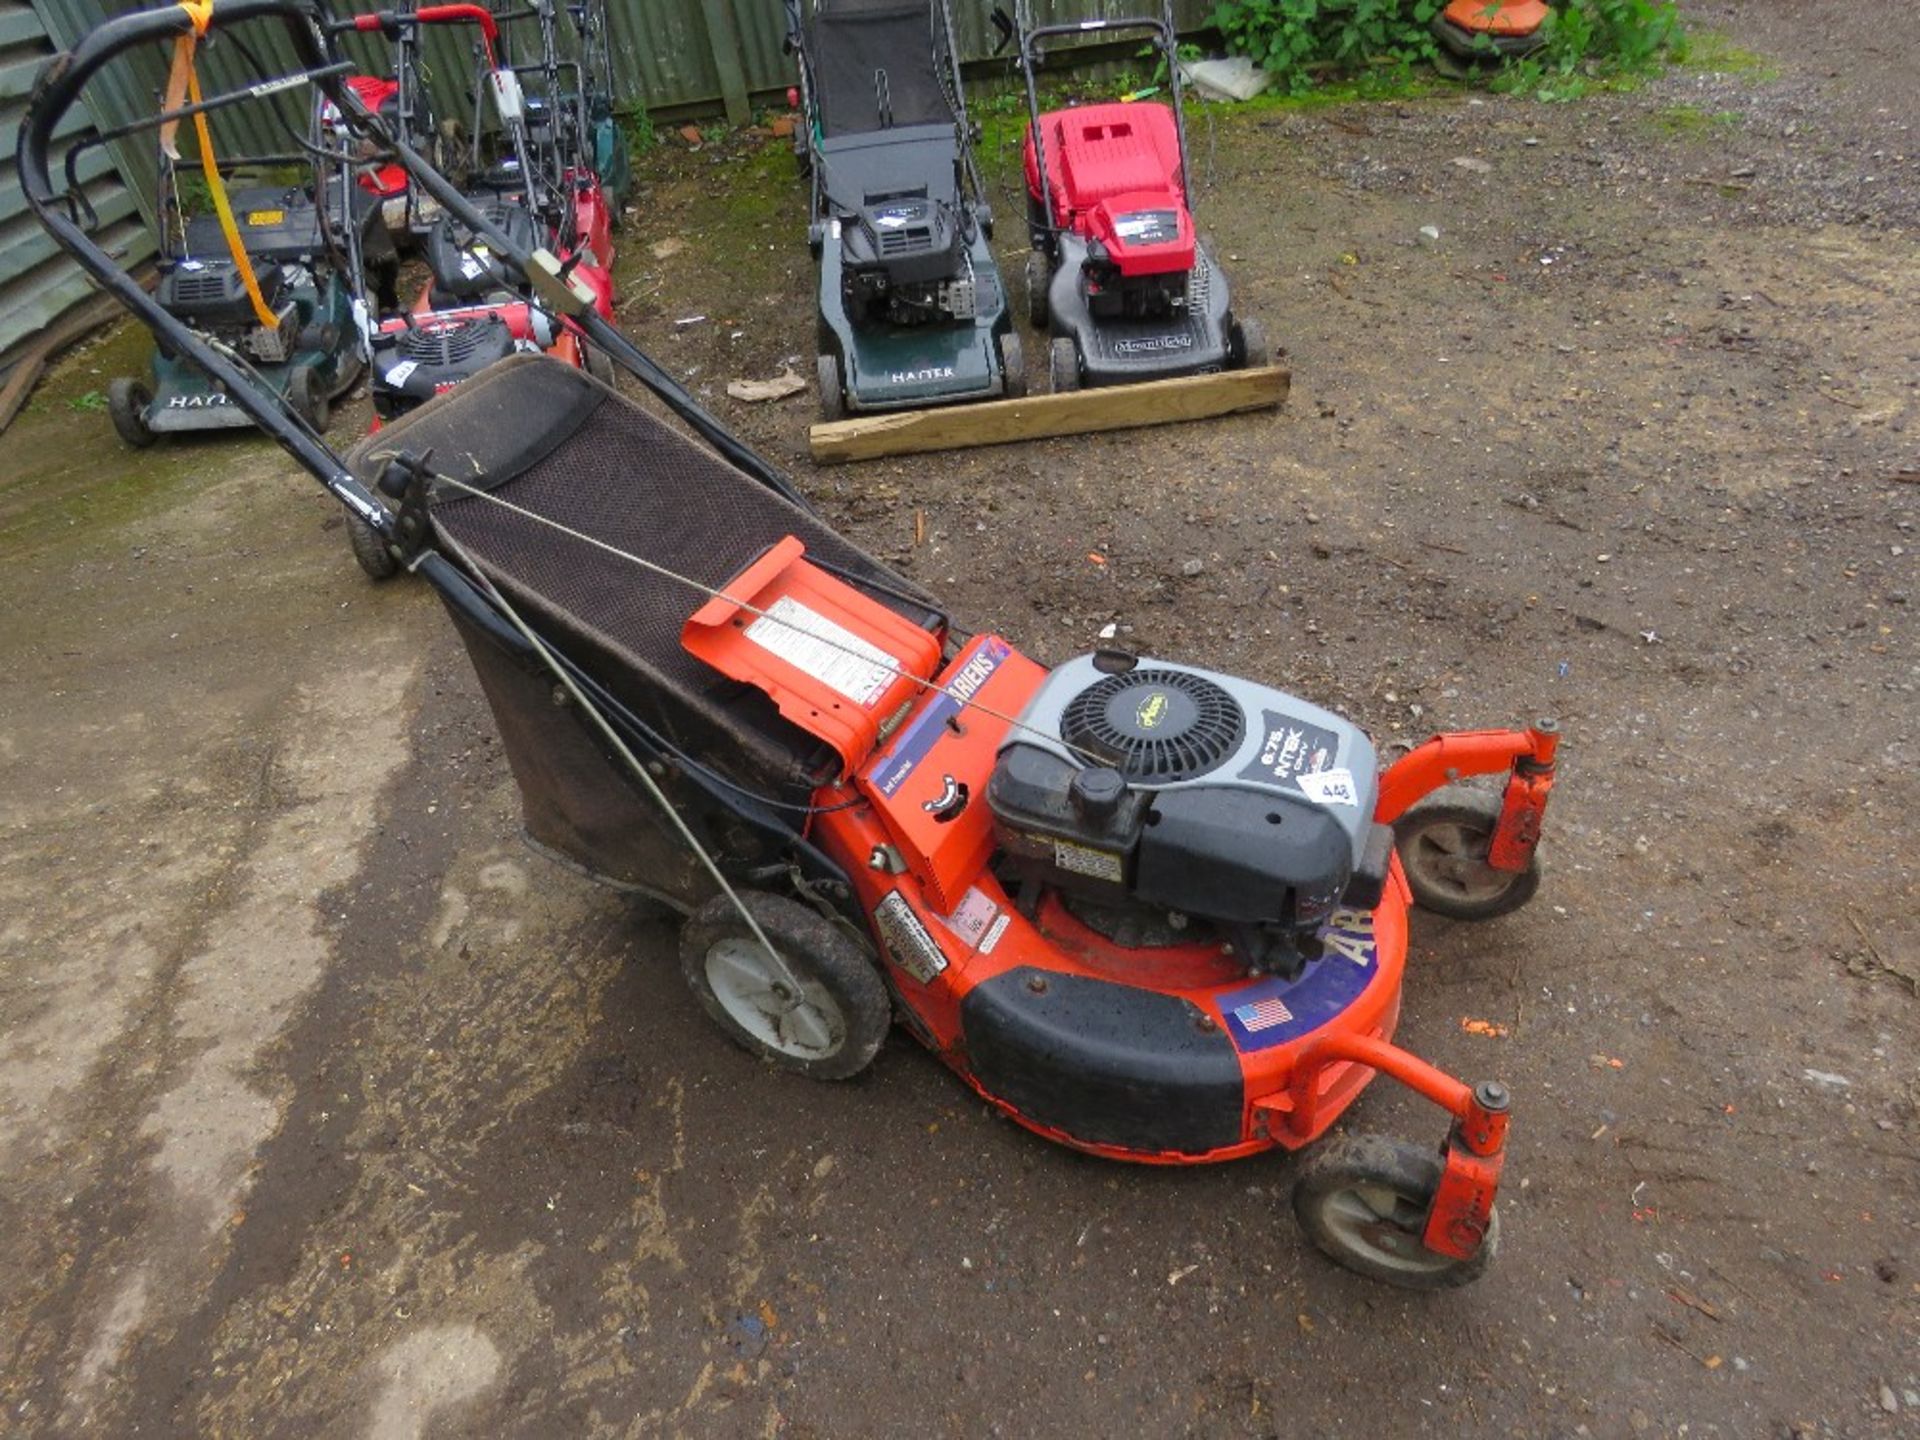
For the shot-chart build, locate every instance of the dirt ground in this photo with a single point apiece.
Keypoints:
(325, 1109)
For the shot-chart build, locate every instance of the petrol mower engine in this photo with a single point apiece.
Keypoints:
(1166, 804)
(211, 295)
(904, 261)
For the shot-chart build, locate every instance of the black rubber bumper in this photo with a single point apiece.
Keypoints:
(1104, 1064)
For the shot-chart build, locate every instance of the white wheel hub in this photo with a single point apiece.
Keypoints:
(760, 998)
(1376, 1223)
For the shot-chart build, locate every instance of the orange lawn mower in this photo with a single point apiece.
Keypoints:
(1483, 29)
(1146, 910)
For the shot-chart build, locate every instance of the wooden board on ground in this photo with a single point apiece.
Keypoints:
(1035, 417)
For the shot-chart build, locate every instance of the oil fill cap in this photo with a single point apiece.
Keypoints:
(1097, 792)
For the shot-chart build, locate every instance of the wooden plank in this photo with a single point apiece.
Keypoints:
(723, 36)
(1078, 412)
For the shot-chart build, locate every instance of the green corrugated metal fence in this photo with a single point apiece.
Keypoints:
(37, 282)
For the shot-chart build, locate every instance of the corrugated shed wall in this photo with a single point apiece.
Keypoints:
(37, 282)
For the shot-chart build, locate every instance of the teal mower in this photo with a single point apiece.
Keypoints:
(289, 305)
(912, 311)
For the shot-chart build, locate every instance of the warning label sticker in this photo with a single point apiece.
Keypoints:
(1293, 749)
(1085, 860)
(912, 948)
(830, 653)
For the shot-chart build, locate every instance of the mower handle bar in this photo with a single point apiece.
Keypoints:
(390, 22)
(58, 86)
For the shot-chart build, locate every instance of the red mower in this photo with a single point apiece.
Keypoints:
(1147, 910)
(1129, 289)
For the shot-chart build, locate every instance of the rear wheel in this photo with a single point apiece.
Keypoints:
(1443, 844)
(370, 550)
(1249, 345)
(1364, 1201)
(833, 396)
(1063, 365)
(127, 402)
(1013, 365)
(308, 399)
(1039, 279)
(821, 1010)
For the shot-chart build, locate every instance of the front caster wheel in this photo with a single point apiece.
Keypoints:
(1364, 1199)
(1443, 843)
(1013, 366)
(833, 392)
(822, 1012)
(1063, 365)
(1247, 345)
(127, 402)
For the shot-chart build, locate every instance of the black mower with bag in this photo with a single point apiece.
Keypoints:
(912, 311)
(1146, 910)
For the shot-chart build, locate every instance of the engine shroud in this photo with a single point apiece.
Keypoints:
(414, 363)
(1150, 785)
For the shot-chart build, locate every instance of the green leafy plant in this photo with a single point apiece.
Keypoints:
(91, 400)
(1304, 43)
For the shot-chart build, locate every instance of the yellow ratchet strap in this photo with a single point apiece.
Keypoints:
(183, 83)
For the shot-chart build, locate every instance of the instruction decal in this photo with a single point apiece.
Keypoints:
(1274, 1012)
(1085, 860)
(844, 662)
(908, 942)
(1148, 227)
(893, 769)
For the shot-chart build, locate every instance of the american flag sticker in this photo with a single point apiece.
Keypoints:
(1262, 1015)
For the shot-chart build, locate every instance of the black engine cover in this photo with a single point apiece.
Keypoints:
(211, 295)
(466, 270)
(411, 366)
(1241, 855)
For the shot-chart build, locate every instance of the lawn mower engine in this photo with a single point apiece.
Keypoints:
(1138, 263)
(904, 261)
(1167, 804)
(465, 268)
(211, 296)
(417, 357)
